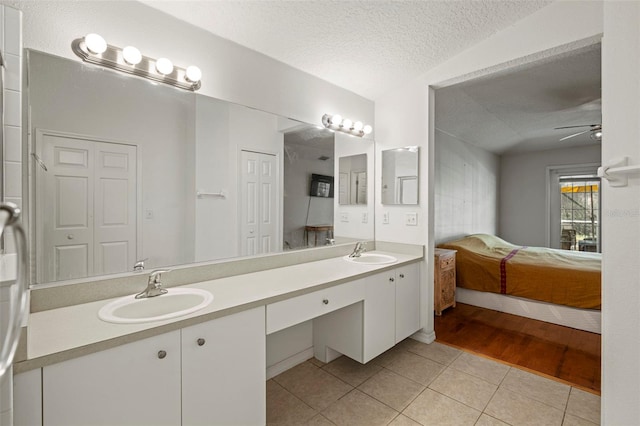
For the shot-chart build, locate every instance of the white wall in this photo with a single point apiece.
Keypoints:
(621, 216)
(524, 212)
(465, 189)
(554, 29)
(11, 155)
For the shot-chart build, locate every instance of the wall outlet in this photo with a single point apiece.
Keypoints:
(385, 218)
(411, 219)
(344, 217)
(365, 217)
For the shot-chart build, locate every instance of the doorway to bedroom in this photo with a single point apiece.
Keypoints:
(498, 140)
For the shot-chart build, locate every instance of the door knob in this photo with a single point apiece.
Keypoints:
(70, 237)
(162, 354)
(201, 341)
(325, 301)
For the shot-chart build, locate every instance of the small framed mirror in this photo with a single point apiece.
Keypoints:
(352, 182)
(400, 175)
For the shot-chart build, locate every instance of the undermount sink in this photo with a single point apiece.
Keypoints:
(372, 259)
(177, 302)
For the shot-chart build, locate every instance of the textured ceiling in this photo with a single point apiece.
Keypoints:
(517, 110)
(367, 47)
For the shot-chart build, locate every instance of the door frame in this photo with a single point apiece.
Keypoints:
(36, 170)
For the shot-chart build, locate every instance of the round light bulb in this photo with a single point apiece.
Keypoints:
(336, 120)
(131, 55)
(95, 43)
(347, 124)
(367, 129)
(193, 74)
(164, 66)
(357, 126)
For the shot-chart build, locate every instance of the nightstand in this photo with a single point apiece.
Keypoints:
(444, 274)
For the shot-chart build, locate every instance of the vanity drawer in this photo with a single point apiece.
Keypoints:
(296, 310)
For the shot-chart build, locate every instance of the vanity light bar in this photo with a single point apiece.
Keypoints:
(93, 49)
(336, 122)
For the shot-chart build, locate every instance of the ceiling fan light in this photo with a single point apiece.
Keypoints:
(597, 135)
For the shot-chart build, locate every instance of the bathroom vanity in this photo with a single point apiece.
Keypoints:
(210, 365)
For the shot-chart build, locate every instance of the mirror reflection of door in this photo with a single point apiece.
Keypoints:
(407, 190)
(87, 207)
(258, 203)
(359, 187)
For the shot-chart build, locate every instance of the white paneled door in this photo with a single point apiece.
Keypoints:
(258, 203)
(87, 207)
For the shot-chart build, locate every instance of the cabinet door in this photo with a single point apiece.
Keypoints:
(407, 301)
(132, 384)
(379, 314)
(224, 371)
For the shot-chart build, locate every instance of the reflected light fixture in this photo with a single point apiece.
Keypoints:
(597, 135)
(94, 49)
(337, 123)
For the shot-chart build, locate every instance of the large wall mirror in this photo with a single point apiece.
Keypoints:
(125, 170)
(400, 175)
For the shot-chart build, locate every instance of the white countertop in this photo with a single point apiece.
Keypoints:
(64, 333)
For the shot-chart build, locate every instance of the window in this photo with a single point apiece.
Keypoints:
(580, 213)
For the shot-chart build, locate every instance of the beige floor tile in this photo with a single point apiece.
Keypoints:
(433, 408)
(356, 409)
(416, 368)
(486, 420)
(571, 420)
(491, 371)
(465, 388)
(312, 385)
(403, 420)
(516, 409)
(394, 390)
(436, 352)
(388, 357)
(351, 371)
(317, 362)
(285, 409)
(320, 420)
(584, 405)
(537, 387)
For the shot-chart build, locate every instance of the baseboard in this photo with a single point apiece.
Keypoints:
(424, 337)
(292, 361)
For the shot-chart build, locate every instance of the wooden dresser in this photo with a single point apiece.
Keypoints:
(444, 274)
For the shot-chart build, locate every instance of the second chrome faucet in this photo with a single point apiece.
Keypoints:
(154, 285)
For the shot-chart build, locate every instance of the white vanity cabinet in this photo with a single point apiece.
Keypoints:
(389, 313)
(223, 371)
(133, 384)
(209, 373)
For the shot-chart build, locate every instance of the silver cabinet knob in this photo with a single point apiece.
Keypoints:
(325, 301)
(392, 279)
(201, 341)
(162, 354)
(401, 275)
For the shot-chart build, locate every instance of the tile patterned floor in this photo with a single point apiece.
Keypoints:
(418, 384)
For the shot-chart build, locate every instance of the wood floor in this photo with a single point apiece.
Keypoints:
(565, 353)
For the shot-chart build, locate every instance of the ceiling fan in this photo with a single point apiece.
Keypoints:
(595, 129)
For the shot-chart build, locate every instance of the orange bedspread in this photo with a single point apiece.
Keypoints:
(488, 263)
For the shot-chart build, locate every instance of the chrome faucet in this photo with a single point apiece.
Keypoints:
(139, 265)
(154, 286)
(358, 249)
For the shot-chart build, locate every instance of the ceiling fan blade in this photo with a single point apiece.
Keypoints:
(572, 127)
(574, 135)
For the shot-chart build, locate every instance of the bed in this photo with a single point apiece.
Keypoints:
(552, 285)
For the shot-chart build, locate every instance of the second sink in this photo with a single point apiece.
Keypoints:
(372, 259)
(177, 302)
